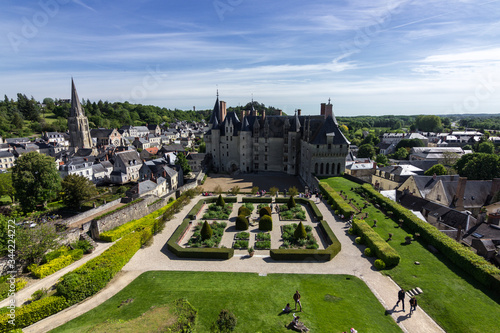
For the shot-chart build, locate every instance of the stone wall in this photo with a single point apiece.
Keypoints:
(90, 212)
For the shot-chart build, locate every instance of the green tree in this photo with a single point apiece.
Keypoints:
(220, 201)
(437, 169)
(381, 159)
(410, 143)
(32, 243)
(293, 191)
(206, 231)
(4, 234)
(478, 166)
(400, 154)
(366, 151)
(76, 189)
(226, 322)
(429, 123)
(182, 161)
(486, 147)
(273, 190)
(6, 187)
(291, 203)
(202, 147)
(300, 231)
(35, 179)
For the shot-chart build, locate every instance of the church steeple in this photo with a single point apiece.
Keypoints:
(76, 107)
(78, 124)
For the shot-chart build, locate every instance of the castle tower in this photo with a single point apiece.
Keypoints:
(78, 124)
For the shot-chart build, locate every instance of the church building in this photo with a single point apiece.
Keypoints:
(78, 124)
(306, 146)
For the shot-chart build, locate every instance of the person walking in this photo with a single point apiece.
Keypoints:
(296, 298)
(401, 298)
(413, 304)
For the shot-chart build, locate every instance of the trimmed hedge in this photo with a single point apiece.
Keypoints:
(378, 246)
(244, 211)
(257, 199)
(205, 253)
(336, 200)
(56, 264)
(303, 254)
(33, 312)
(461, 256)
(20, 283)
(119, 208)
(241, 222)
(266, 223)
(315, 210)
(265, 211)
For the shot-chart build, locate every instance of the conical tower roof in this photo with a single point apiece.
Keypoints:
(76, 107)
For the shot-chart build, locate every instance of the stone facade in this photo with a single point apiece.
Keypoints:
(78, 124)
(296, 145)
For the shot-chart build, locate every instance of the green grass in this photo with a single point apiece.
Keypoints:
(331, 303)
(449, 292)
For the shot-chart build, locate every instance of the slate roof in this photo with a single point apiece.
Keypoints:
(100, 132)
(488, 231)
(4, 154)
(476, 192)
(426, 183)
(129, 157)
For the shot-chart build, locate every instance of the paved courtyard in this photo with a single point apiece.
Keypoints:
(263, 180)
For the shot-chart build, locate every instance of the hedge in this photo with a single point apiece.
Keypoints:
(244, 211)
(33, 312)
(257, 199)
(464, 258)
(226, 199)
(303, 254)
(266, 223)
(336, 200)
(56, 264)
(315, 210)
(241, 222)
(379, 246)
(20, 283)
(205, 253)
(265, 211)
(119, 208)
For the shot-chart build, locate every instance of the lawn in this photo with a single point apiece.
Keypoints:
(451, 297)
(331, 303)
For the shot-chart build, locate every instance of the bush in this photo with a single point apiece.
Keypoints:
(33, 312)
(368, 252)
(240, 244)
(257, 200)
(206, 231)
(220, 201)
(379, 264)
(241, 222)
(266, 223)
(39, 294)
(373, 240)
(291, 203)
(19, 283)
(226, 321)
(83, 245)
(265, 211)
(55, 264)
(54, 254)
(263, 244)
(358, 240)
(242, 235)
(300, 232)
(336, 200)
(244, 211)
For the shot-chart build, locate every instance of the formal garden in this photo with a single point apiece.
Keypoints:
(193, 301)
(455, 299)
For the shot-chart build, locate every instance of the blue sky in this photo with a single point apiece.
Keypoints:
(370, 57)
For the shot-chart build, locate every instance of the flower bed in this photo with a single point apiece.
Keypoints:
(289, 240)
(214, 241)
(295, 213)
(263, 236)
(242, 235)
(263, 245)
(217, 212)
(240, 244)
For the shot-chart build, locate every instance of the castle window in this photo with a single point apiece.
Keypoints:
(338, 168)
(329, 146)
(265, 166)
(316, 168)
(327, 168)
(256, 166)
(317, 146)
(321, 169)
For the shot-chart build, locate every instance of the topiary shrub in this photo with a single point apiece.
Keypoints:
(265, 211)
(291, 203)
(244, 211)
(379, 264)
(266, 223)
(368, 252)
(226, 322)
(358, 240)
(300, 232)
(206, 231)
(220, 201)
(241, 222)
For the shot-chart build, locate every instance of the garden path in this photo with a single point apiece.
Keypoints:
(349, 261)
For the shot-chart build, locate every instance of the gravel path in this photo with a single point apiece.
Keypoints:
(349, 261)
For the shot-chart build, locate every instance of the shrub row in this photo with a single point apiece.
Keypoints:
(464, 258)
(226, 199)
(257, 199)
(55, 254)
(377, 245)
(119, 208)
(56, 264)
(33, 312)
(205, 253)
(320, 255)
(336, 200)
(315, 210)
(20, 283)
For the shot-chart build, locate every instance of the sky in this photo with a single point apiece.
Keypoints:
(378, 57)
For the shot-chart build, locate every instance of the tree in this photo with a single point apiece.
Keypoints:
(370, 139)
(291, 203)
(293, 191)
(478, 166)
(366, 151)
(6, 187)
(220, 201)
(486, 147)
(450, 158)
(400, 154)
(381, 159)
(76, 189)
(300, 232)
(182, 161)
(273, 190)
(429, 123)
(32, 243)
(437, 169)
(35, 179)
(202, 147)
(226, 322)
(410, 143)
(206, 231)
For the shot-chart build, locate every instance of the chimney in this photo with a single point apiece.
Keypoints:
(328, 110)
(495, 187)
(434, 176)
(263, 114)
(459, 204)
(458, 238)
(374, 165)
(299, 111)
(107, 157)
(323, 107)
(164, 174)
(222, 111)
(280, 113)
